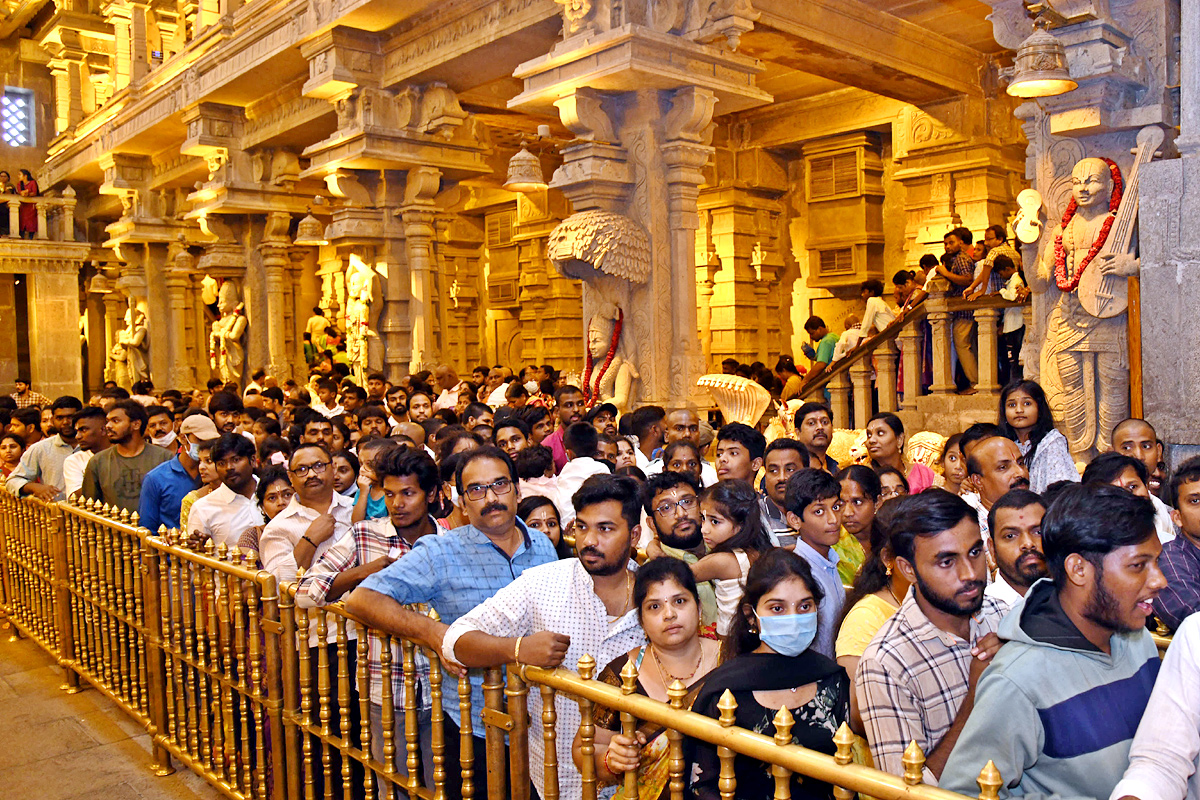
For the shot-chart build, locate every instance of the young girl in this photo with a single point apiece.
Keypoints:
(731, 524)
(1025, 418)
(954, 467)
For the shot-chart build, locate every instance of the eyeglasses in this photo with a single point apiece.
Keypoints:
(667, 506)
(479, 491)
(316, 469)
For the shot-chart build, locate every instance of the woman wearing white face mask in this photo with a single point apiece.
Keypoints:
(774, 666)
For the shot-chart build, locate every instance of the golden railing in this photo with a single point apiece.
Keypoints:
(268, 700)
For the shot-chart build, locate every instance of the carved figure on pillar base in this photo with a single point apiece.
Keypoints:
(226, 354)
(364, 348)
(608, 377)
(131, 354)
(611, 255)
(1085, 357)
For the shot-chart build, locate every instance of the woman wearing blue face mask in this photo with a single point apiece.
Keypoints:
(773, 666)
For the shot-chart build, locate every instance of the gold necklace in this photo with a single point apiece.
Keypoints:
(892, 592)
(663, 674)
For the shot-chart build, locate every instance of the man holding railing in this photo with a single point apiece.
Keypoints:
(40, 471)
(410, 482)
(559, 612)
(454, 573)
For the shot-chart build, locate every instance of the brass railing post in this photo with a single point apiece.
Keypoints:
(155, 662)
(62, 598)
(280, 678)
(518, 738)
(493, 702)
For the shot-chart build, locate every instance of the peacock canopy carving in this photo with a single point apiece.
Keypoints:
(608, 242)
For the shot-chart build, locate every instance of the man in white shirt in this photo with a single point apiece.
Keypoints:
(997, 467)
(89, 439)
(316, 516)
(447, 380)
(1015, 523)
(1164, 760)
(581, 441)
(230, 510)
(556, 613)
(40, 471)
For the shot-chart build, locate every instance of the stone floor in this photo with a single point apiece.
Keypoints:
(55, 746)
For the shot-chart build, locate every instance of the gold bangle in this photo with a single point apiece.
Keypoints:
(517, 650)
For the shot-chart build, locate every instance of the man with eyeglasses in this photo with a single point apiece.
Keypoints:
(315, 517)
(454, 573)
(672, 504)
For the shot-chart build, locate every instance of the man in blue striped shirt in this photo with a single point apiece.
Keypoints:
(454, 573)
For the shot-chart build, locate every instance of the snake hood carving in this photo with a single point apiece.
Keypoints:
(610, 243)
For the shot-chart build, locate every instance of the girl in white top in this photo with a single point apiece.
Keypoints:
(732, 526)
(1025, 417)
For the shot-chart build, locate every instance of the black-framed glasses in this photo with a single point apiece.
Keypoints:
(667, 506)
(317, 469)
(479, 491)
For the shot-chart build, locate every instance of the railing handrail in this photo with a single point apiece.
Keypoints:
(50, 200)
(89, 570)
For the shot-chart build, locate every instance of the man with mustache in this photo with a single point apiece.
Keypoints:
(571, 406)
(1059, 707)
(814, 429)
(556, 613)
(916, 680)
(997, 467)
(454, 573)
(782, 459)
(1015, 522)
(672, 504)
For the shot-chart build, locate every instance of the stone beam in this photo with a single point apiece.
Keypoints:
(794, 122)
(850, 42)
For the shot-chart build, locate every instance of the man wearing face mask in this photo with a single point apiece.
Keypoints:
(672, 505)
(160, 428)
(166, 485)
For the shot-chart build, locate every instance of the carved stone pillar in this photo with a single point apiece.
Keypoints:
(417, 216)
(885, 376)
(860, 380)
(839, 395)
(943, 365)
(988, 325)
(275, 261)
(633, 175)
(56, 366)
(177, 276)
(910, 352)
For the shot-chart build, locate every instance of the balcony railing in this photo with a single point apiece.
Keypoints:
(55, 215)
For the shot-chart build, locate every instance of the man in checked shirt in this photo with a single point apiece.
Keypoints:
(410, 484)
(916, 680)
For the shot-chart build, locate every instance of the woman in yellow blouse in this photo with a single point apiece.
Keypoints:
(878, 592)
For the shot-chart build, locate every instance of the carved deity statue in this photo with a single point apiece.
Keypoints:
(1085, 363)
(225, 352)
(131, 353)
(608, 377)
(363, 346)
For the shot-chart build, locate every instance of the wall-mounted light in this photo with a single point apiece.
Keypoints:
(1040, 67)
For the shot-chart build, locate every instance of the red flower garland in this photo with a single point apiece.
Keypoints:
(1060, 254)
(590, 396)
